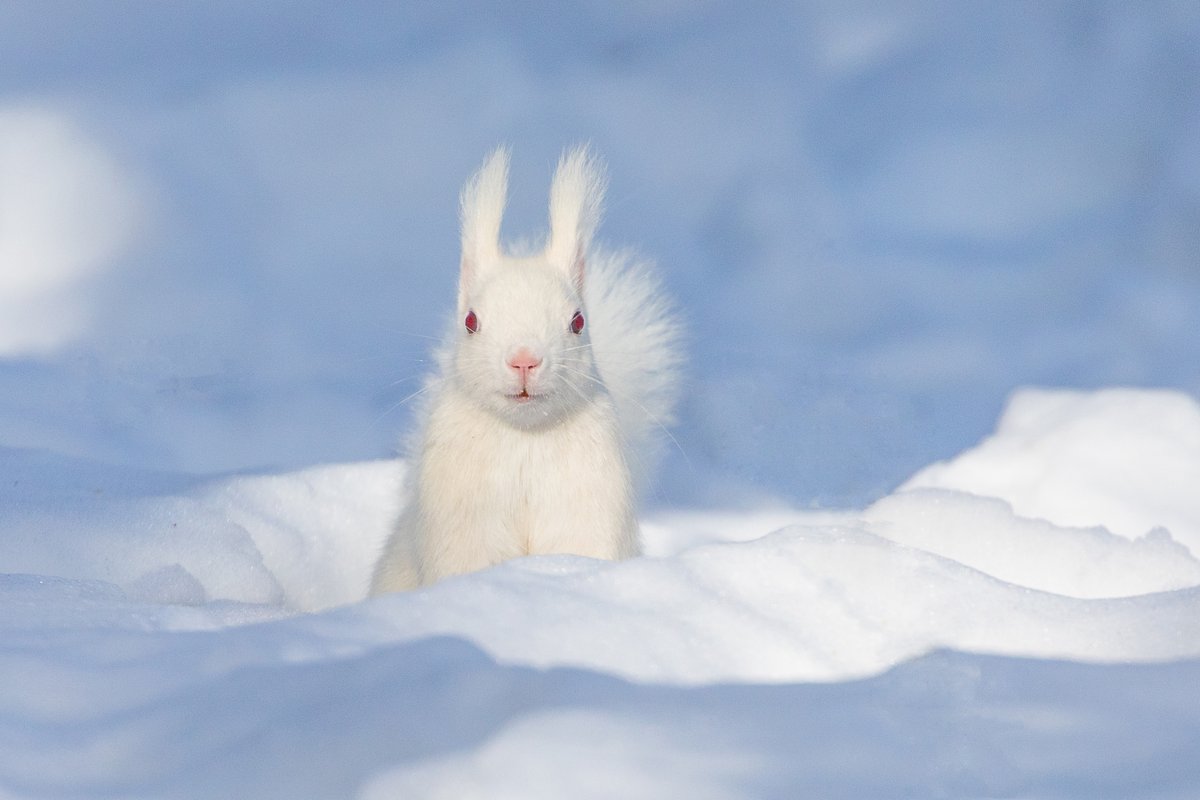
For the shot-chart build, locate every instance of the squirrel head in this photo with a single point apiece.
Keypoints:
(522, 350)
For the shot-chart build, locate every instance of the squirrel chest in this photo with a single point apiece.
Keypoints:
(504, 491)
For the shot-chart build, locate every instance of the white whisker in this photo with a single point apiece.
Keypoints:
(645, 411)
(408, 398)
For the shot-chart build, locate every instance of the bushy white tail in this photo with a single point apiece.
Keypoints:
(634, 330)
(636, 338)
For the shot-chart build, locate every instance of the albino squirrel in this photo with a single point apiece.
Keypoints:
(559, 372)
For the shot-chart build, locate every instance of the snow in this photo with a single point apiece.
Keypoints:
(168, 636)
(1069, 457)
(929, 526)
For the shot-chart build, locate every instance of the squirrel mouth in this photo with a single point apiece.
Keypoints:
(524, 396)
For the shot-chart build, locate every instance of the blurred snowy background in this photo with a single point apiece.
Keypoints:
(225, 227)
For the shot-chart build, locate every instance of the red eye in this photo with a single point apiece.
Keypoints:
(577, 323)
(472, 322)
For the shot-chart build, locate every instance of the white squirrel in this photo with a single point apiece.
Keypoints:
(559, 374)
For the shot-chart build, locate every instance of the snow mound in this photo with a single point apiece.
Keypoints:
(153, 641)
(804, 603)
(300, 541)
(824, 596)
(1125, 459)
(984, 533)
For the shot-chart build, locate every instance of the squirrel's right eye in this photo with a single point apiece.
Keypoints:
(472, 322)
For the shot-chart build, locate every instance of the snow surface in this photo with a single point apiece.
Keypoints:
(154, 645)
(878, 564)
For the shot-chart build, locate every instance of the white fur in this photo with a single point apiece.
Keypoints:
(495, 475)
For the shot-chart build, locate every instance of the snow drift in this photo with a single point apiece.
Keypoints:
(141, 603)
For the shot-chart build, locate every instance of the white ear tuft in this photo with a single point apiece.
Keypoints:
(576, 198)
(481, 209)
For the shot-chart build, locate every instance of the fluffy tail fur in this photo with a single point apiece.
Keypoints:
(636, 341)
(635, 331)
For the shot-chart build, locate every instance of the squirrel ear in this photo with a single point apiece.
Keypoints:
(576, 197)
(481, 208)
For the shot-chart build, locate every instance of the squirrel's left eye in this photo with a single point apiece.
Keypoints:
(577, 323)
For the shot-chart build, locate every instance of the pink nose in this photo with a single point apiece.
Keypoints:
(524, 361)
